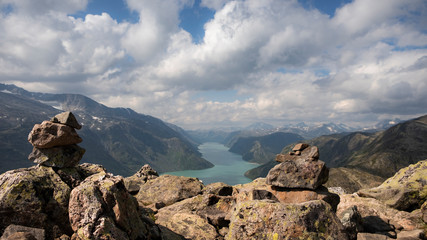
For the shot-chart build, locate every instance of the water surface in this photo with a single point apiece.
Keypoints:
(229, 167)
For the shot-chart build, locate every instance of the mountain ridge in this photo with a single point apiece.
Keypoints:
(119, 138)
(378, 154)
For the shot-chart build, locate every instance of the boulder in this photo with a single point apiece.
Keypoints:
(218, 188)
(263, 219)
(424, 212)
(191, 226)
(411, 235)
(378, 217)
(20, 236)
(101, 206)
(167, 189)
(134, 182)
(298, 173)
(35, 197)
(214, 209)
(284, 195)
(59, 157)
(22, 232)
(68, 119)
(352, 222)
(89, 169)
(372, 236)
(49, 134)
(406, 190)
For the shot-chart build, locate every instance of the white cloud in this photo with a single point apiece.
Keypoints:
(284, 62)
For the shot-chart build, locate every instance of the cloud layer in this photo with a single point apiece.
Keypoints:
(272, 61)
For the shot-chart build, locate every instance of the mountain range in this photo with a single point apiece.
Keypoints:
(118, 138)
(358, 159)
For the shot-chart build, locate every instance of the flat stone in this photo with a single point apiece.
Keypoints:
(49, 134)
(68, 119)
(60, 157)
(285, 195)
(300, 147)
(411, 235)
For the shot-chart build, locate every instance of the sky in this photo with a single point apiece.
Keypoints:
(216, 63)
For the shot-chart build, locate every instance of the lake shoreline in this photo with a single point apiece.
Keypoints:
(228, 167)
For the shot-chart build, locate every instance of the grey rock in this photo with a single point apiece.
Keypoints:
(168, 189)
(48, 134)
(101, 206)
(68, 119)
(134, 182)
(271, 220)
(298, 173)
(59, 157)
(352, 222)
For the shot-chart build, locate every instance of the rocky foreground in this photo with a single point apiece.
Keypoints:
(62, 199)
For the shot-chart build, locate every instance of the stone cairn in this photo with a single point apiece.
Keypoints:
(299, 177)
(55, 142)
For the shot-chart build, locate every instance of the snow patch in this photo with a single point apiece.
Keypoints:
(7, 91)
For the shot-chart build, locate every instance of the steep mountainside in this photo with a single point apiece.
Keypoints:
(263, 149)
(17, 117)
(120, 139)
(377, 154)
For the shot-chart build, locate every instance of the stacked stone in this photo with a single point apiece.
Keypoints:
(55, 142)
(299, 177)
(300, 168)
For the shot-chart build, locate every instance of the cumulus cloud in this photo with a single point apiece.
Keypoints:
(283, 62)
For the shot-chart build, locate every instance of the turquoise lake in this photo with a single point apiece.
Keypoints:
(229, 167)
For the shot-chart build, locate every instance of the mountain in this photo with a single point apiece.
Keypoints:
(259, 126)
(262, 149)
(118, 138)
(383, 125)
(202, 136)
(379, 154)
(312, 131)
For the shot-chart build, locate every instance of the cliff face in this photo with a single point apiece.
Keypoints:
(62, 199)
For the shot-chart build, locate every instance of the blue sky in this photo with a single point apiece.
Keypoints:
(219, 63)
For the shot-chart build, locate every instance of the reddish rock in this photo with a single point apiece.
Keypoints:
(101, 206)
(68, 119)
(300, 147)
(304, 195)
(59, 157)
(48, 135)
